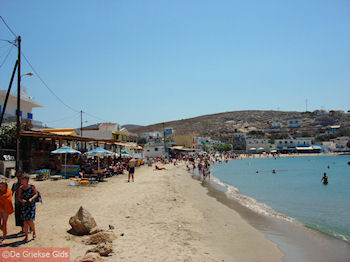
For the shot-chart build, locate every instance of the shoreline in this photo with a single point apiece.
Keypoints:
(297, 241)
(163, 216)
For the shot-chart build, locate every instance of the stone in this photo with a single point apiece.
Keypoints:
(111, 227)
(83, 222)
(89, 257)
(100, 237)
(95, 230)
(104, 249)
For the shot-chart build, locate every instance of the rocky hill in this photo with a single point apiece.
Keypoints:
(222, 125)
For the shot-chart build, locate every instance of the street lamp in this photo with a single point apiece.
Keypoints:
(27, 74)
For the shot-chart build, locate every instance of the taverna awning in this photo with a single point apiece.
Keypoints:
(304, 148)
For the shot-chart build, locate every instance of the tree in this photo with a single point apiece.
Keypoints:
(8, 134)
(223, 148)
(141, 140)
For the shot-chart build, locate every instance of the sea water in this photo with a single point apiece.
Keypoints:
(295, 191)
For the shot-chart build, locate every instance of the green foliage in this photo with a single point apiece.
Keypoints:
(8, 136)
(141, 141)
(238, 147)
(257, 133)
(223, 148)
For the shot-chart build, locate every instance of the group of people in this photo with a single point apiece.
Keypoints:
(25, 196)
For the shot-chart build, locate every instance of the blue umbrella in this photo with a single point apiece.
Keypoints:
(99, 152)
(65, 150)
(123, 151)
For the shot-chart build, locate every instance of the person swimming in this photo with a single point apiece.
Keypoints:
(324, 179)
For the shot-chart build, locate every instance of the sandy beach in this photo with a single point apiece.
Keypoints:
(162, 216)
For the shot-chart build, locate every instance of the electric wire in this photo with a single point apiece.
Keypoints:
(8, 26)
(44, 83)
(36, 73)
(61, 119)
(96, 117)
(8, 53)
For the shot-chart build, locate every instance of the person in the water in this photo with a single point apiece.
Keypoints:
(324, 179)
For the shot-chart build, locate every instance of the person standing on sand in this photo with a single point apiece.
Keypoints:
(18, 205)
(6, 207)
(26, 194)
(132, 164)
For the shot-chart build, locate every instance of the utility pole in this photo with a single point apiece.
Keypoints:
(81, 123)
(18, 103)
(8, 93)
(164, 140)
(306, 105)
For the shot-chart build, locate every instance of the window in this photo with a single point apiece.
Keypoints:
(156, 149)
(20, 112)
(147, 150)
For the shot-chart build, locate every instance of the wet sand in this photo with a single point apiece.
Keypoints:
(296, 241)
(163, 216)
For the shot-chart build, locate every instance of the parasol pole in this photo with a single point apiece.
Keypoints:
(65, 165)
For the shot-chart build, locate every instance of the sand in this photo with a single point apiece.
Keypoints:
(163, 216)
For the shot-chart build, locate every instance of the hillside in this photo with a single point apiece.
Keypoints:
(221, 125)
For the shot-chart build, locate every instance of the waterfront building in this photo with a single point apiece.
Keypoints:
(26, 112)
(155, 149)
(257, 145)
(294, 144)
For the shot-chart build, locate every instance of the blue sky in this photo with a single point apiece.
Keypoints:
(146, 62)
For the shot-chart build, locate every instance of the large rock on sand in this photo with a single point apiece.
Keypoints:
(89, 257)
(82, 222)
(104, 249)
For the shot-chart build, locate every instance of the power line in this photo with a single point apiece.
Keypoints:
(8, 26)
(52, 92)
(6, 56)
(96, 117)
(62, 119)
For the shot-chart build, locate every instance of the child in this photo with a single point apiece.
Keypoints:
(6, 207)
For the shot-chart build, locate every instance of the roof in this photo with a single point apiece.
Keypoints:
(61, 131)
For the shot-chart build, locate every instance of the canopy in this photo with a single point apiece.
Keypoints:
(99, 152)
(65, 150)
(123, 151)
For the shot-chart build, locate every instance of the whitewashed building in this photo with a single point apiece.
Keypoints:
(152, 135)
(276, 124)
(257, 145)
(152, 150)
(294, 122)
(99, 130)
(293, 143)
(27, 105)
(341, 143)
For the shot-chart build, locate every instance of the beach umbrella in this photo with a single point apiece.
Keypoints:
(123, 151)
(65, 150)
(99, 152)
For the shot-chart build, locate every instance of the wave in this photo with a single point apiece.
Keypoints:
(232, 192)
(249, 202)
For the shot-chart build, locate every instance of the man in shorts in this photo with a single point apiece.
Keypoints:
(132, 164)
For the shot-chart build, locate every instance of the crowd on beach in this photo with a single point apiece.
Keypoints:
(25, 197)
